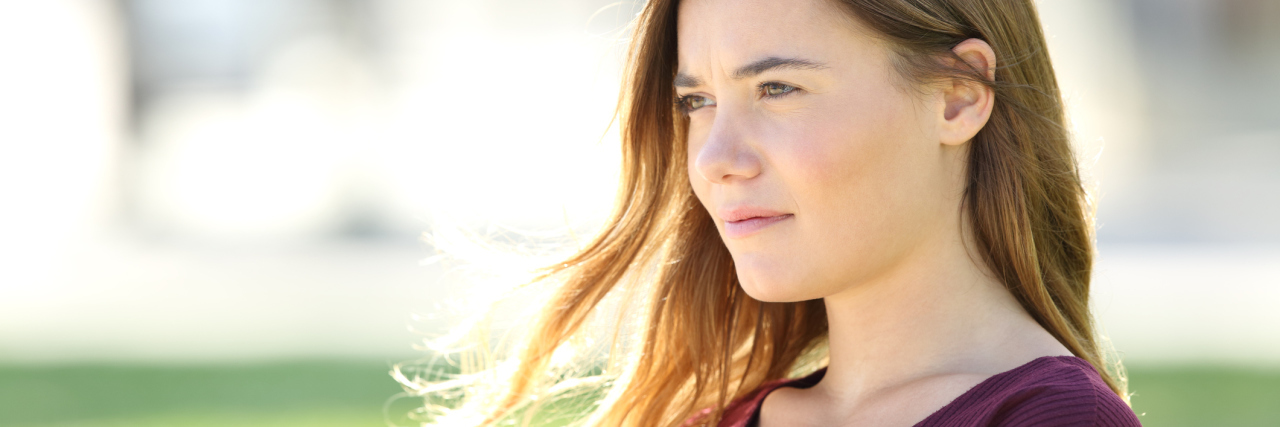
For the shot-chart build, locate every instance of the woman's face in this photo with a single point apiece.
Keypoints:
(820, 171)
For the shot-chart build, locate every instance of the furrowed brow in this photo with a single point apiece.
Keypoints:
(754, 69)
(685, 80)
(772, 63)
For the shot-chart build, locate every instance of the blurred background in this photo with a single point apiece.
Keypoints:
(212, 209)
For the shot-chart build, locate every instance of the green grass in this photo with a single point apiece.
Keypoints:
(1205, 396)
(352, 394)
(282, 394)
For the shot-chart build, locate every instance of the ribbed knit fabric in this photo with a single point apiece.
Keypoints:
(1049, 391)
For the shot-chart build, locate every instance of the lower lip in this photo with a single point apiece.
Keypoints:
(747, 227)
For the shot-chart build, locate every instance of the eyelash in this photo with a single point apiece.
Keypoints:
(682, 102)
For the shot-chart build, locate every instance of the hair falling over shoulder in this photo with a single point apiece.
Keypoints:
(684, 335)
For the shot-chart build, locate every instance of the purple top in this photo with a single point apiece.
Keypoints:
(1049, 391)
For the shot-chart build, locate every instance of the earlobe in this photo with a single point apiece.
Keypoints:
(967, 104)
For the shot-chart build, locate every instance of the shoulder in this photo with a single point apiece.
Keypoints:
(1061, 391)
(1049, 391)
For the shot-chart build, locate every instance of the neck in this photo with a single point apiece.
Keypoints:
(936, 313)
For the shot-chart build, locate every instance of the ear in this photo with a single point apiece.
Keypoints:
(967, 104)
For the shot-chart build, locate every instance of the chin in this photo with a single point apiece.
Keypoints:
(769, 288)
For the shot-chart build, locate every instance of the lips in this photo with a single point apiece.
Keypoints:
(744, 221)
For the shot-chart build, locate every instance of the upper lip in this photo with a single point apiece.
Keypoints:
(742, 213)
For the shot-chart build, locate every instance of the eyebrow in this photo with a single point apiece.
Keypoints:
(755, 68)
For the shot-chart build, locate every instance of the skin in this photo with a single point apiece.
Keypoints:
(867, 177)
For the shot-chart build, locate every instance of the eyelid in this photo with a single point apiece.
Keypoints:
(682, 101)
(761, 89)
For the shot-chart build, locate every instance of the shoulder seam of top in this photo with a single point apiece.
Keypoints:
(1093, 392)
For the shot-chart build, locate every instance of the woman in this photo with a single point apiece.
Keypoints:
(882, 189)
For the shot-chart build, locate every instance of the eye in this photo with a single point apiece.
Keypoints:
(689, 103)
(774, 89)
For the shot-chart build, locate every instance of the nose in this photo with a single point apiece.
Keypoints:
(725, 156)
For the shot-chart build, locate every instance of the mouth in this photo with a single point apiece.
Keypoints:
(752, 225)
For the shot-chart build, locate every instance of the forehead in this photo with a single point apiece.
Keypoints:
(718, 35)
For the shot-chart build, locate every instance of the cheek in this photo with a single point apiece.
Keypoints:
(700, 186)
(850, 170)
(846, 154)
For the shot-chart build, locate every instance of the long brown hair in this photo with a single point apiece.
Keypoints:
(698, 340)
